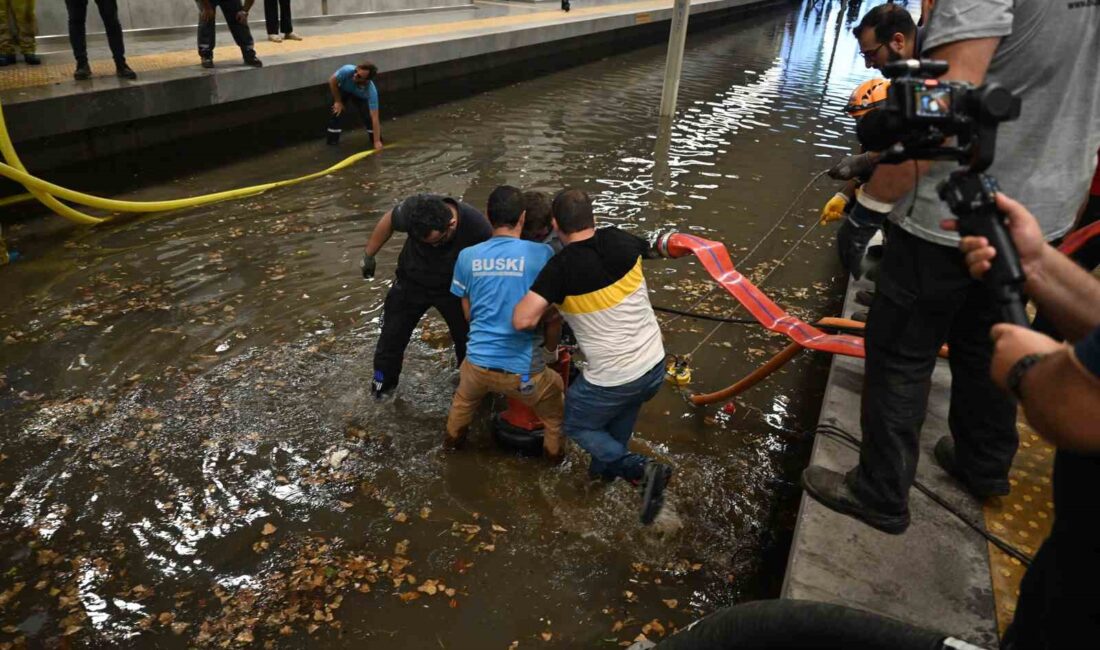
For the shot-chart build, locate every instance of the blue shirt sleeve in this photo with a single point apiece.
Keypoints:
(372, 96)
(461, 281)
(1088, 352)
(343, 75)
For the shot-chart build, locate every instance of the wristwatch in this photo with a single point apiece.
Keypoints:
(1018, 370)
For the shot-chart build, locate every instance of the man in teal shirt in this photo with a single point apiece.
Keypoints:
(354, 84)
(491, 278)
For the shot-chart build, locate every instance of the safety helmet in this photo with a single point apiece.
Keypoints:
(868, 96)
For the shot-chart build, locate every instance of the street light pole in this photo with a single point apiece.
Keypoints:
(675, 62)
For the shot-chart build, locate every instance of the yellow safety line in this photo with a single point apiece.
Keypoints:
(27, 76)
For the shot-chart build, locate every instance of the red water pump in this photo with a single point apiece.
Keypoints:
(517, 427)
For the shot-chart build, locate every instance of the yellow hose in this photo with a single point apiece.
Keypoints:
(18, 198)
(48, 193)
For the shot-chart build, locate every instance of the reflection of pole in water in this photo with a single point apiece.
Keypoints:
(674, 64)
(832, 55)
(662, 172)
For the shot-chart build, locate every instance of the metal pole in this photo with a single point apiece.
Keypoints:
(675, 63)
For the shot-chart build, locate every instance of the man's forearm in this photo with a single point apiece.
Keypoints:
(1062, 402)
(334, 88)
(1068, 295)
(376, 123)
(381, 234)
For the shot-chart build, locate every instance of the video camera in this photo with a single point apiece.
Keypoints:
(922, 112)
(925, 118)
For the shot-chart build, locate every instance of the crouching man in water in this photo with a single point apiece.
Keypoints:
(491, 278)
(439, 229)
(597, 280)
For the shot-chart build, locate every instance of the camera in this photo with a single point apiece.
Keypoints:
(922, 112)
(926, 118)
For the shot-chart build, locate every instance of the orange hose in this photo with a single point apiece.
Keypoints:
(752, 379)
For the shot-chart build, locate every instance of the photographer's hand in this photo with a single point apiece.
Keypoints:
(1025, 233)
(1011, 343)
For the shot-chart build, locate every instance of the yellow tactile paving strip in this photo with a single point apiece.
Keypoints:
(1023, 518)
(24, 76)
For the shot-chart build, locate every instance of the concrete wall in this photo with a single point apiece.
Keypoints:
(145, 14)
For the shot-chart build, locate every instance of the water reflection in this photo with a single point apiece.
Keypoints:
(189, 456)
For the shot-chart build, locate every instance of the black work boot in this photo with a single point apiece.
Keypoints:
(251, 61)
(124, 71)
(654, 481)
(82, 72)
(831, 490)
(944, 452)
(864, 297)
(7, 59)
(207, 61)
(333, 137)
(32, 59)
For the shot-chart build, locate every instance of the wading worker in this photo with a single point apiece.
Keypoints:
(354, 84)
(490, 279)
(439, 228)
(598, 282)
(236, 18)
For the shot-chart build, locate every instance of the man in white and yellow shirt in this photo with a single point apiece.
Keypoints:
(598, 284)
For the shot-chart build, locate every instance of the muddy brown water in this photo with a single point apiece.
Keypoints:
(189, 456)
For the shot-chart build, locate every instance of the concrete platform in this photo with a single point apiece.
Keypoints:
(936, 575)
(57, 119)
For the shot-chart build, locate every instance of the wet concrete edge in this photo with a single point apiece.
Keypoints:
(937, 574)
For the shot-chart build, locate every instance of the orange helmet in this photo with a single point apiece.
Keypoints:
(868, 96)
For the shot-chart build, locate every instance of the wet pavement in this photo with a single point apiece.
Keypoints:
(189, 455)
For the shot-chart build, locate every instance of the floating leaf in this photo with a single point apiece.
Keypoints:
(269, 529)
(671, 603)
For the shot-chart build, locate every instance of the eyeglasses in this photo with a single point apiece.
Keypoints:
(445, 235)
(870, 54)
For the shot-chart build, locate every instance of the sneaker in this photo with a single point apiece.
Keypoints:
(275, 38)
(32, 59)
(208, 62)
(124, 71)
(82, 72)
(253, 62)
(864, 297)
(831, 490)
(293, 36)
(7, 59)
(944, 452)
(654, 481)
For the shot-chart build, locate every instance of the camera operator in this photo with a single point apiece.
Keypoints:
(1058, 386)
(1044, 53)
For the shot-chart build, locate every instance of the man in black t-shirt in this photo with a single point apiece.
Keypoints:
(439, 228)
(598, 285)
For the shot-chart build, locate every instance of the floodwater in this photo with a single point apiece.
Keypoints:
(189, 454)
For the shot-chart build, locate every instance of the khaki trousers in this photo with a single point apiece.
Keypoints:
(546, 398)
(21, 12)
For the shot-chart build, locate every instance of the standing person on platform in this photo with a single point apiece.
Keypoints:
(277, 15)
(565, 6)
(924, 296)
(439, 229)
(78, 38)
(236, 18)
(21, 12)
(354, 84)
(597, 281)
(490, 279)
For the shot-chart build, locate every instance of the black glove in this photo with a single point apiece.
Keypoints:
(857, 166)
(854, 235)
(368, 264)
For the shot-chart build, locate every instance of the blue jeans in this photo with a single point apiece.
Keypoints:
(601, 420)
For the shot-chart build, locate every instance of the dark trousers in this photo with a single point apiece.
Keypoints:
(1059, 603)
(277, 14)
(404, 307)
(360, 106)
(241, 33)
(78, 15)
(924, 297)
